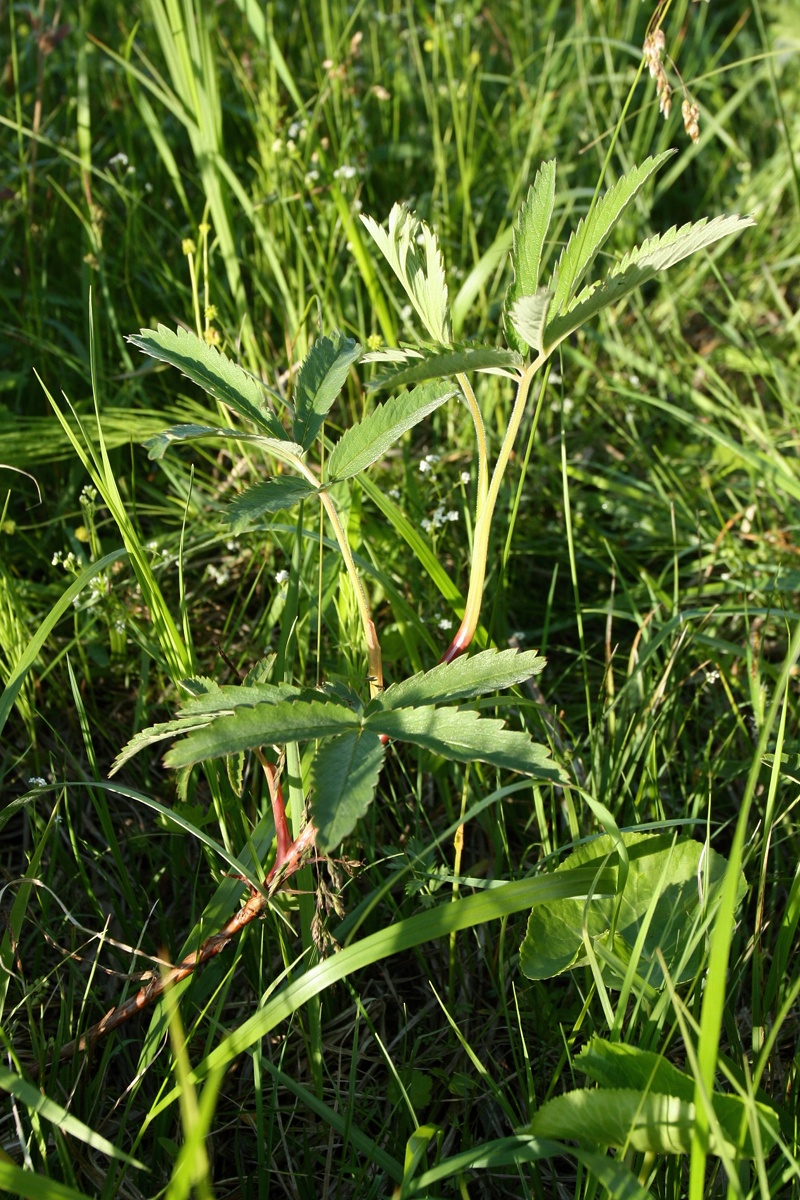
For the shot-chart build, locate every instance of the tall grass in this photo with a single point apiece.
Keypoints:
(645, 540)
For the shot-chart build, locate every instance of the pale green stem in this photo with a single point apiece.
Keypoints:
(483, 521)
(374, 660)
(480, 436)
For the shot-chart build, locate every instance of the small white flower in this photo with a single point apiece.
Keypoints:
(394, 493)
(452, 515)
(295, 129)
(465, 477)
(281, 577)
(311, 177)
(346, 171)
(426, 524)
(445, 623)
(119, 160)
(37, 781)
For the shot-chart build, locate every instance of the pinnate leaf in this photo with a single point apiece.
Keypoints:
(462, 679)
(269, 496)
(266, 724)
(367, 442)
(412, 252)
(320, 380)
(640, 265)
(464, 736)
(530, 231)
(437, 363)
(217, 375)
(283, 450)
(344, 775)
(593, 230)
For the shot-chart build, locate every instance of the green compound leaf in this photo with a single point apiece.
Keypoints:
(344, 775)
(621, 1066)
(266, 724)
(287, 452)
(208, 701)
(593, 230)
(367, 442)
(269, 496)
(530, 231)
(437, 363)
(661, 891)
(412, 252)
(213, 372)
(528, 318)
(320, 380)
(640, 265)
(462, 679)
(464, 736)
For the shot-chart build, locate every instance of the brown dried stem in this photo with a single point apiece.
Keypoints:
(288, 860)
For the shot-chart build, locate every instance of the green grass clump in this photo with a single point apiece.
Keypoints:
(389, 1024)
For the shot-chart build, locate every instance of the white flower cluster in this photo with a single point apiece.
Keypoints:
(439, 517)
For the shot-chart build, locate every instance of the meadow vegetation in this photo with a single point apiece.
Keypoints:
(522, 923)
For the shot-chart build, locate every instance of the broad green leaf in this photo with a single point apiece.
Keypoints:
(464, 736)
(462, 679)
(284, 451)
(648, 1121)
(436, 364)
(593, 230)
(410, 249)
(640, 265)
(530, 231)
(367, 442)
(618, 1117)
(213, 372)
(269, 496)
(264, 725)
(620, 1065)
(320, 380)
(344, 775)
(29, 1095)
(528, 317)
(663, 877)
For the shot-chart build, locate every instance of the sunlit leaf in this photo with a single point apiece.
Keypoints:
(320, 380)
(593, 230)
(436, 364)
(264, 725)
(269, 496)
(530, 231)
(528, 317)
(411, 250)
(217, 375)
(367, 442)
(462, 679)
(662, 889)
(463, 735)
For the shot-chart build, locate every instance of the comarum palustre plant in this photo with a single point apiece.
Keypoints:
(351, 731)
